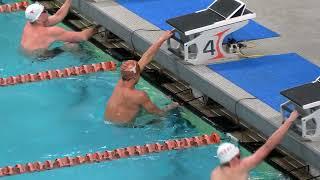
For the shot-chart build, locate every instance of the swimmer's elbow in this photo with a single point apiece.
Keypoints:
(155, 110)
(80, 39)
(148, 105)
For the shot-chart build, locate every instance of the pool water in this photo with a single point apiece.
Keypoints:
(64, 117)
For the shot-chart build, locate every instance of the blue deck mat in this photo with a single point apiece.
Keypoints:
(265, 77)
(158, 11)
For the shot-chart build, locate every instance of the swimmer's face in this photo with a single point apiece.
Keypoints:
(235, 160)
(44, 16)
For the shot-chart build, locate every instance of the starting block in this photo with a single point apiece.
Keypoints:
(306, 100)
(199, 36)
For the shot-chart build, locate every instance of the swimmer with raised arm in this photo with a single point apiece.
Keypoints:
(126, 101)
(40, 32)
(233, 167)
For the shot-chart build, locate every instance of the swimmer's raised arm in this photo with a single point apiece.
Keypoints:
(153, 49)
(256, 158)
(60, 14)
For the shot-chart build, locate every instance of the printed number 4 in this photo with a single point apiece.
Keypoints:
(209, 47)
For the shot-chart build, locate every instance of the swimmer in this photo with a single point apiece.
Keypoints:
(40, 31)
(126, 101)
(232, 166)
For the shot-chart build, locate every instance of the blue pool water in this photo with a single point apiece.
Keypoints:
(64, 117)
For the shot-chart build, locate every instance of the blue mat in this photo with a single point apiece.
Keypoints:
(265, 77)
(158, 11)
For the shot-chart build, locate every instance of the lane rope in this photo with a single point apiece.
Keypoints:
(176, 144)
(8, 8)
(58, 73)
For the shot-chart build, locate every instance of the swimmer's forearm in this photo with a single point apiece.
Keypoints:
(163, 111)
(149, 54)
(170, 107)
(63, 11)
(150, 107)
(86, 34)
(60, 14)
(252, 161)
(277, 136)
(156, 111)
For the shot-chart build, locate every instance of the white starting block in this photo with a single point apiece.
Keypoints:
(306, 100)
(199, 36)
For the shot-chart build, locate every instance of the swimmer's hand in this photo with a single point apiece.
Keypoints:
(96, 29)
(97, 26)
(171, 106)
(293, 116)
(166, 35)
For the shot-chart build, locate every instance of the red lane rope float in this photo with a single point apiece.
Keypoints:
(14, 7)
(58, 73)
(110, 155)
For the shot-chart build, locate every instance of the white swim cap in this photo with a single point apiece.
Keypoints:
(226, 152)
(34, 11)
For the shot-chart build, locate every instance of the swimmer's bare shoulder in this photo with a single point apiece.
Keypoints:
(138, 96)
(214, 174)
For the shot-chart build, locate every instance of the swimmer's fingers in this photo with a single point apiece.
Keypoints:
(176, 104)
(169, 107)
(169, 97)
(174, 100)
(98, 26)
